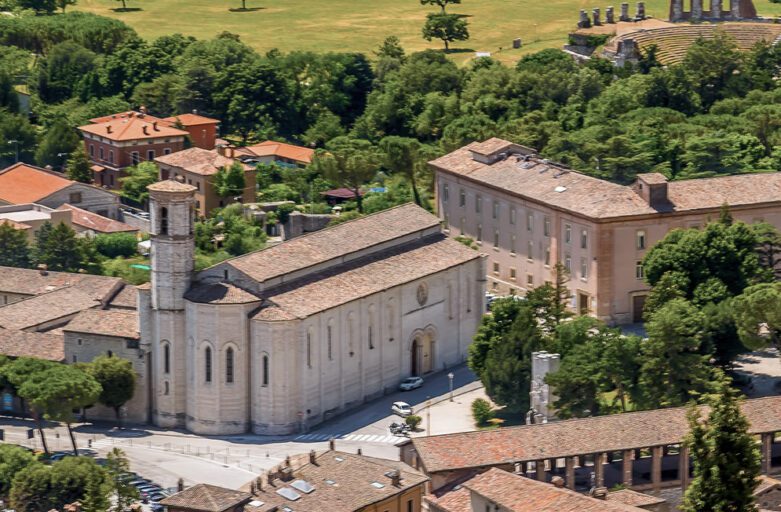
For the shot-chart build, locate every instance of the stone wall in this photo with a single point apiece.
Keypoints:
(300, 223)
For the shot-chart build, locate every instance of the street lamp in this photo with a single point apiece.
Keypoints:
(60, 155)
(16, 148)
(450, 378)
(428, 415)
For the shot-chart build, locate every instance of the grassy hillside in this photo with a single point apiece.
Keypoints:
(360, 25)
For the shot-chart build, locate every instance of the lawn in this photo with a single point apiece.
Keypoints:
(360, 25)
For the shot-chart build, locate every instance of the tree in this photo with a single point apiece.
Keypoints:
(482, 412)
(507, 373)
(441, 3)
(116, 378)
(492, 329)
(229, 181)
(78, 166)
(348, 162)
(137, 179)
(673, 371)
(17, 139)
(402, 155)
(757, 314)
(550, 301)
(14, 251)
(9, 99)
(124, 4)
(117, 244)
(117, 467)
(59, 141)
(13, 459)
(59, 249)
(19, 371)
(62, 4)
(446, 27)
(59, 390)
(61, 72)
(38, 488)
(727, 462)
(413, 420)
(768, 247)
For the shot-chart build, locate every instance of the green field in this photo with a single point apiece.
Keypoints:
(360, 25)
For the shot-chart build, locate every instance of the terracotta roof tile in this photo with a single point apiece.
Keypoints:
(131, 126)
(634, 498)
(170, 186)
(190, 120)
(575, 437)
(197, 161)
(520, 494)
(15, 343)
(353, 476)
(208, 498)
(220, 293)
(22, 183)
(126, 298)
(97, 223)
(334, 243)
(15, 225)
(560, 187)
(48, 307)
(28, 281)
(279, 149)
(106, 322)
(457, 500)
(369, 275)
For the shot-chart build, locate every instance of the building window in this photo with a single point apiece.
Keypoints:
(229, 365)
(462, 198)
(512, 215)
(91, 150)
(512, 245)
(330, 332)
(445, 193)
(639, 271)
(567, 233)
(546, 226)
(529, 222)
(479, 233)
(166, 358)
(529, 280)
(309, 349)
(478, 204)
(134, 157)
(164, 221)
(496, 210)
(265, 370)
(207, 357)
(584, 239)
(100, 152)
(583, 268)
(512, 274)
(410, 505)
(74, 197)
(547, 256)
(370, 335)
(530, 251)
(166, 151)
(150, 154)
(74, 358)
(111, 156)
(166, 390)
(568, 262)
(445, 223)
(496, 268)
(496, 238)
(640, 237)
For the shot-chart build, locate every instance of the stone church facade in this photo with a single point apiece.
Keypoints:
(279, 340)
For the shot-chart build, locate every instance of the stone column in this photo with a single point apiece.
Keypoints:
(624, 11)
(626, 467)
(540, 468)
(677, 10)
(715, 9)
(683, 466)
(656, 467)
(610, 16)
(570, 472)
(734, 7)
(599, 469)
(640, 11)
(767, 454)
(595, 15)
(584, 21)
(696, 10)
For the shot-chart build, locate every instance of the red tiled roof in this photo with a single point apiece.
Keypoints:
(15, 225)
(340, 193)
(207, 498)
(170, 186)
(198, 161)
(22, 183)
(190, 120)
(118, 323)
(457, 500)
(131, 126)
(279, 149)
(97, 223)
(15, 343)
(633, 498)
(575, 437)
(220, 293)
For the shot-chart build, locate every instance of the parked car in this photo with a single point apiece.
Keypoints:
(156, 507)
(403, 409)
(410, 383)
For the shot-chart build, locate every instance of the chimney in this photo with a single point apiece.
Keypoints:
(270, 477)
(221, 150)
(195, 111)
(395, 477)
(312, 456)
(332, 444)
(154, 126)
(287, 461)
(259, 484)
(142, 109)
(43, 269)
(652, 187)
(146, 129)
(108, 129)
(359, 452)
(180, 485)
(599, 493)
(557, 481)
(229, 151)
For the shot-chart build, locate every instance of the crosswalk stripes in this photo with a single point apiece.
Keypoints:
(367, 438)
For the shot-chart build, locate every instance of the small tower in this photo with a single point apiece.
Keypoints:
(172, 205)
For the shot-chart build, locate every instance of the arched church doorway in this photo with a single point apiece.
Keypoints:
(422, 352)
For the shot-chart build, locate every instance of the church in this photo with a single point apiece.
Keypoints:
(281, 339)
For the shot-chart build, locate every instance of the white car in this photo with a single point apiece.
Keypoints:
(410, 383)
(403, 409)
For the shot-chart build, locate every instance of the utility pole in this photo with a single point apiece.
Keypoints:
(450, 377)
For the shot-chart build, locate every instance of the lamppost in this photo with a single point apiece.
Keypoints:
(60, 155)
(16, 149)
(450, 378)
(428, 415)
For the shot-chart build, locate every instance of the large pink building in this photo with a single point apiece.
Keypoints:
(527, 213)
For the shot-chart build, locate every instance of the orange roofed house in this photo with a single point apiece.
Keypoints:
(276, 152)
(118, 141)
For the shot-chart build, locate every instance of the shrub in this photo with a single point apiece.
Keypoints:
(116, 244)
(482, 411)
(413, 421)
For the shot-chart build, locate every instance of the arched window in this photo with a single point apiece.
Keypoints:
(207, 355)
(165, 392)
(164, 221)
(166, 358)
(330, 341)
(370, 333)
(265, 370)
(229, 365)
(309, 348)
(391, 319)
